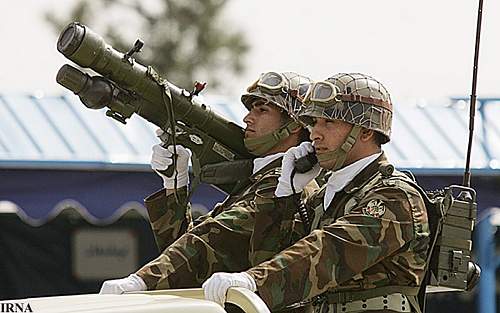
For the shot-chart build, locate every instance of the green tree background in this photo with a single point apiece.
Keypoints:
(184, 40)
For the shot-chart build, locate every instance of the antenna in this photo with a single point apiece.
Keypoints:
(466, 181)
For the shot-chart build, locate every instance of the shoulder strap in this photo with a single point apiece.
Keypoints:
(376, 178)
(435, 218)
(319, 210)
(361, 192)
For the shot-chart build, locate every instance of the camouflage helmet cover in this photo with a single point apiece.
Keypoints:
(292, 88)
(357, 99)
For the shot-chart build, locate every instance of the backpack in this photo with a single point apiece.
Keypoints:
(451, 213)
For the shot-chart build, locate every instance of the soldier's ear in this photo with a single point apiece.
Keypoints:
(366, 135)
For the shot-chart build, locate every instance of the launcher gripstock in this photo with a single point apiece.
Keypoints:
(127, 87)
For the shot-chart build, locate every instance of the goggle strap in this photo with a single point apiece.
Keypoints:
(253, 86)
(368, 100)
(336, 96)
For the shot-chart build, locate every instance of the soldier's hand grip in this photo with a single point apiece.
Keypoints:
(168, 172)
(170, 169)
(306, 163)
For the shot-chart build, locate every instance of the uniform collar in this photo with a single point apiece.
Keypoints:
(363, 176)
(273, 164)
(260, 163)
(342, 177)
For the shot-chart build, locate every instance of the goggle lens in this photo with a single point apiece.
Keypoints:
(272, 81)
(324, 92)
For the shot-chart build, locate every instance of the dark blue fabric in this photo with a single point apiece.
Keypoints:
(37, 192)
(486, 187)
(38, 261)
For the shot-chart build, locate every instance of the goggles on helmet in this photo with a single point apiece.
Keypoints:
(323, 92)
(271, 82)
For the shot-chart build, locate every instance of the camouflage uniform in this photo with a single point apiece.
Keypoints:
(227, 239)
(169, 219)
(374, 234)
(236, 235)
(367, 251)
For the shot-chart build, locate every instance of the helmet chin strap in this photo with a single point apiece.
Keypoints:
(261, 145)
(340, 154)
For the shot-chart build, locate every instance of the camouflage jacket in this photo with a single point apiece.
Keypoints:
(374, 234)
(235, 237)
(170, 219)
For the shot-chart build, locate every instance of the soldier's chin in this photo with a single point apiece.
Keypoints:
(327, 165)
(249, 134)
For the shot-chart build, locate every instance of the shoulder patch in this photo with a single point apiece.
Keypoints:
(375, 208)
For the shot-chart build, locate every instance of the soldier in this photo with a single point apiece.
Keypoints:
(368, 245)
(228, 237)
(169, 218)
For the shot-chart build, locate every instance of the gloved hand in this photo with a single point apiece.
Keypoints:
(119, 286)
(300, 180)
(215, 288)
(162, 159)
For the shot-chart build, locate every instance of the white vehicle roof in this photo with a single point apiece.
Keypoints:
(172, 301)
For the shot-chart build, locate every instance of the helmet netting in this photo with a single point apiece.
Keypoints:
(368, 115)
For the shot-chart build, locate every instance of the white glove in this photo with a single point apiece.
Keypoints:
(300, 180)
(119, 286)
(162, 159)
(215, 288)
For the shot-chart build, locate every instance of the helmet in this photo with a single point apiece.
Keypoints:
(285, 90)
(355, 98)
